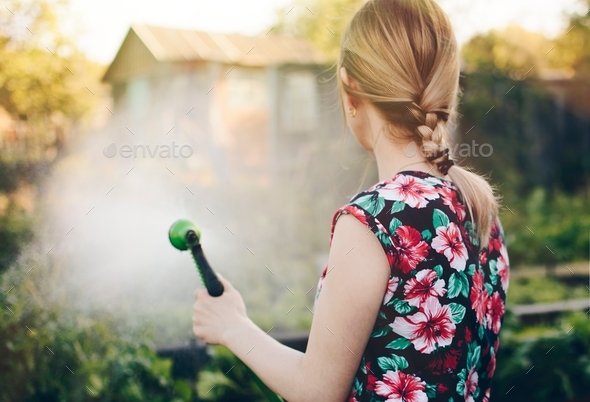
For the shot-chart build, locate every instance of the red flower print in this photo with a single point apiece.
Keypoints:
(391, 288)
(391, 258)
(483, 257)
(495, 312)
(495, 239)
(471, 385)
(352, 396)
(431, 327)
(410, 248)
(502, 265)
(355, 211)
(449, 197)
(423, 286)
(478, 295)
(441, 388)
(401, 387)
(486, 397)
(371, 379)
(491, 365)
(445, 360)
(410, 190)
(448, 241)
(468, 335)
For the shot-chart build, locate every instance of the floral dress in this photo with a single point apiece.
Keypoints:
(436, 335)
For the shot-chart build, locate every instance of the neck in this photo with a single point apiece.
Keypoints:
(393, 156)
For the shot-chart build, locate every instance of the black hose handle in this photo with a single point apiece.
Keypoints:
(212, 283)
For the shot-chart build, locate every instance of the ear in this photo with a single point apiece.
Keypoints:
(344, 76)
(351, 82)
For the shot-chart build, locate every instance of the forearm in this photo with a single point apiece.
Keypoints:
(277, 365)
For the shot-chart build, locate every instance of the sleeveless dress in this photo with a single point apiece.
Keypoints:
(437, 332)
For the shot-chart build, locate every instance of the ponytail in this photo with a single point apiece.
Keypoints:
(480, 199)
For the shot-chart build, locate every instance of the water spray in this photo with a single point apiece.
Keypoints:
(185, 235)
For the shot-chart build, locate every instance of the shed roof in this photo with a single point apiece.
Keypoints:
(177, 45)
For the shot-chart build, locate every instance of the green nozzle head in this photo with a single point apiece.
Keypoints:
(178, 231)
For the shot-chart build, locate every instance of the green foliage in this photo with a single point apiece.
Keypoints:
(512, 49)
(50, 354)
(549, 368)
(37, 77)
(542, 290)
(321, 21)
(559, 228)
(226, 378)
(571, 47)
(15, 231)
(47, 85)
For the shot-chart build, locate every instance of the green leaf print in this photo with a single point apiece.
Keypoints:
(431, 390)
(398, 206)
(426, 234)
(473, 352)
(461, 384)
(394, 224)
(371, 203)
(439, 218)
(458, 312)
(384, 238)
(392, 363)
(439, 271)
(471, 269)
(493, 271)
(458, 283)
(358, 386)
(381, 332)
(471, 232)
(400, 343)
(401, 306)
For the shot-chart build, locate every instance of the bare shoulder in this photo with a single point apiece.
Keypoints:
(355, 248)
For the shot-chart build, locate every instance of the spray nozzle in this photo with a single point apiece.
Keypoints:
(185, 235)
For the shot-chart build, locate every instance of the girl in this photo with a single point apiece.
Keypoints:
(411, 312)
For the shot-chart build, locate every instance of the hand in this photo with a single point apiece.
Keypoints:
(214, 317)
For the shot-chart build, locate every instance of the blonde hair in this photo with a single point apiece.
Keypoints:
(403, 54)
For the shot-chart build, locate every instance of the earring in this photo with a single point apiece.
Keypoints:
(352, 111)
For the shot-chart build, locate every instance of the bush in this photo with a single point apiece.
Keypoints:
(50, 355)
(553, 367)
(226, 378)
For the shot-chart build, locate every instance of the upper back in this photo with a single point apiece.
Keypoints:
(436, 334)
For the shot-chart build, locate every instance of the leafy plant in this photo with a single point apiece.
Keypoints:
(555, 367)
(226, 378)
(53, 355)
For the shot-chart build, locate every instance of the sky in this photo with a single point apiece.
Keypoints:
(100, 26)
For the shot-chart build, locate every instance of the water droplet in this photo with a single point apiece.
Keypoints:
(110, 150)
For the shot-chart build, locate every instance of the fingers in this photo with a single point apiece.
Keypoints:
(200, 292)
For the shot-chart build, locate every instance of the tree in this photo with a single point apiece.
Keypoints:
(321, 21)
(572, 47)
(512, 50)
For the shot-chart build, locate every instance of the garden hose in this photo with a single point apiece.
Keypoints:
(185, 235)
